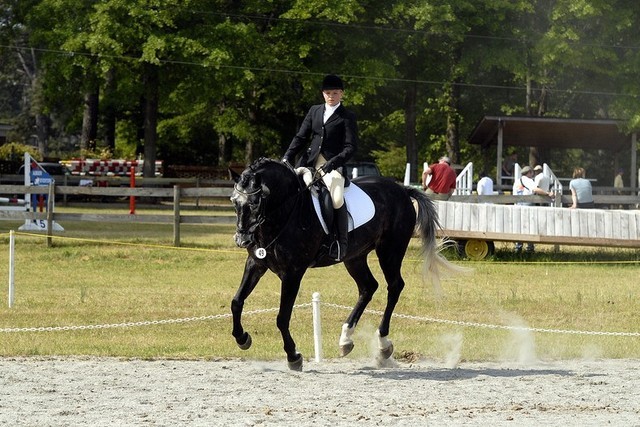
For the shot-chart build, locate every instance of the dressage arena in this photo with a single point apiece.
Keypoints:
(340, 392)
(92, 391)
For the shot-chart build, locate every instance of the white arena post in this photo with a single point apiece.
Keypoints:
(407, 174)
(317, 327)
(12, 248)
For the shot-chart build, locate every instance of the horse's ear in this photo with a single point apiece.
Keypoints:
(235, 176)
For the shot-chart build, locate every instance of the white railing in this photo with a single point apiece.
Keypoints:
(464, 181)
(554, 185)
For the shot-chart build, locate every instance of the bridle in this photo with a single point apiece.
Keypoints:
(261, 216)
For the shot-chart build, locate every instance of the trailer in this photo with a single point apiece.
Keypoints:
(475, 226)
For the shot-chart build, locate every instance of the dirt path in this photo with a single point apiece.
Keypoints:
(105, 392)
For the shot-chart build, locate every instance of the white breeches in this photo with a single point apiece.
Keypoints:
(333, 180)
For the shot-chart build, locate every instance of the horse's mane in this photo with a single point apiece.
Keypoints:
(257, 165)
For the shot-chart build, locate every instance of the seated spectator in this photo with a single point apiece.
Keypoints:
(581, 192)
(485, 184)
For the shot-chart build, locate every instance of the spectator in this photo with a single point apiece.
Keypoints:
(443, 179)
(526, 186)
(581, 192)
(541, 180)
(508, 167)
(485, 184)
(618, 183)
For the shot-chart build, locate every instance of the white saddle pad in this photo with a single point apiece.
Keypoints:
(359, 205)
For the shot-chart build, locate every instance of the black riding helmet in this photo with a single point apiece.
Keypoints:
(332, 81)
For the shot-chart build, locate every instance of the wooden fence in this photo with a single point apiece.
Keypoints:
(456, 212)
(176, 194)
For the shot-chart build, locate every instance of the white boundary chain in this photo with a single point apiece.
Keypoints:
(269, 310)
(131, 324)
(489, 326)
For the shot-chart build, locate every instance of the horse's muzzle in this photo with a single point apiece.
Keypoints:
(243, 240)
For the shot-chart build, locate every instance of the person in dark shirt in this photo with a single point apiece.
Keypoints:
(332, 134)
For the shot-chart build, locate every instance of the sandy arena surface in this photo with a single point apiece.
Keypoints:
(344, 392)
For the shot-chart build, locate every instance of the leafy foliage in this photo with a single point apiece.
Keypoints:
(234, 79)
(14, 152)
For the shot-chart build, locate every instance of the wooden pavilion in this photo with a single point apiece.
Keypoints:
(547, 132)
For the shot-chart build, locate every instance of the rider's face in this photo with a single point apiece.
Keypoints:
(332, 96)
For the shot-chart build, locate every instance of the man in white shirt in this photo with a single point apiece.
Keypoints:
(526, 186)
(541, 180)
(485, 184)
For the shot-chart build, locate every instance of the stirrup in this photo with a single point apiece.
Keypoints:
(336, 252)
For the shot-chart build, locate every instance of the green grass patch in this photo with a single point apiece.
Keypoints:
(101, 274)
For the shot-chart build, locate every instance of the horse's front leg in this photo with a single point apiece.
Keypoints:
(252, 274)
(289, 291)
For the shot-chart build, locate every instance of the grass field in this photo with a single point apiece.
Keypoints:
(176, 300)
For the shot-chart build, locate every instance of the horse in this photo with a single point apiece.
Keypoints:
(277, 224)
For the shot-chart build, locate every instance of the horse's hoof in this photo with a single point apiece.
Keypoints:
(386, 353)
(346, 349)
(247, 342)
(296, 365)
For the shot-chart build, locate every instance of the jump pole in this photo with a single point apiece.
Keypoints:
(12, 249)
(317, 327)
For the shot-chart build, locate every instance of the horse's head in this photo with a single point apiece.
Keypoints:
(252, 193)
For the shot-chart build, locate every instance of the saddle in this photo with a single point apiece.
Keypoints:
(359, 205)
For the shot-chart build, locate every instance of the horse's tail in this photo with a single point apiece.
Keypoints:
(427, 224)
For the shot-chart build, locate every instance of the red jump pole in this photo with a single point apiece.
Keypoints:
(132, 184)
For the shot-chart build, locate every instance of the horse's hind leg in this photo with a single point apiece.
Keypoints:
(391, 263)
(367, 286)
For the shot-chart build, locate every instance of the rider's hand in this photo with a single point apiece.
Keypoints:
(327, 167)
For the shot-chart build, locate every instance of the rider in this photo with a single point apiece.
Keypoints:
(333, 134)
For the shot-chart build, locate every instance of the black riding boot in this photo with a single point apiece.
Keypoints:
(341, 224)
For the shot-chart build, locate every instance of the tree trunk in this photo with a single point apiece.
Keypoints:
(42, 132)
(90, 118)
(248, 152)
(222, 140)
(109, 115)
(222, 147)
(151, 85)
(42, 120)
(537, 156)
(410, 99)
(250, 144)
(453, 123)
(35, 105)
